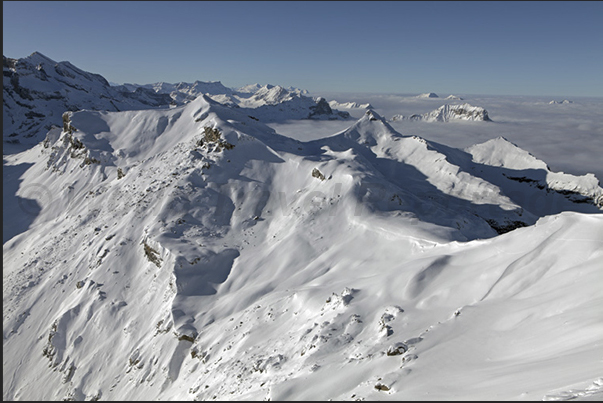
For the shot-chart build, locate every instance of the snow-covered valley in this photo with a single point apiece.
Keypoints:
(198, 251)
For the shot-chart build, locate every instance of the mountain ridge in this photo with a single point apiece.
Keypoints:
(37, 90)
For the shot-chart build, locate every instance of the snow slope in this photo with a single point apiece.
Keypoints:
(194, 253)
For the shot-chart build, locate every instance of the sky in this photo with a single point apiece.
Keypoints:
(495, 48)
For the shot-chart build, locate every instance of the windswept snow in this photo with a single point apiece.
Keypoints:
(195, 253)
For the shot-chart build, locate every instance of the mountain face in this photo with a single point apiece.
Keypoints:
(37, 90)
(446, 113)
(194, 253)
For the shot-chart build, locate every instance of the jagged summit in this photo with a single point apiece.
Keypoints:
(37, 58)
(272, 95)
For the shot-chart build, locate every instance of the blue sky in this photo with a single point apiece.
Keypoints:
(504, 48)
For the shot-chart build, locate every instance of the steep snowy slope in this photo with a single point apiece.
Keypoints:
(194, 253)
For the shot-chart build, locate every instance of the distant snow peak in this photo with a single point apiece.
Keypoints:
(250, 88)
(428, 95)
(446, 113)
(272, 95)
(349, 105)
(454, 97)
(565, 101)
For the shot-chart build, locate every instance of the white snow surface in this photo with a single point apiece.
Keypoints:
(194, 253)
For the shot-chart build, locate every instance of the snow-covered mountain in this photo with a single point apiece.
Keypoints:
(194, 253)
(37, 90)
(268, 103)
(428, 95)
(349, 105)
(454, 97)
(565, 101)
(446, 113)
